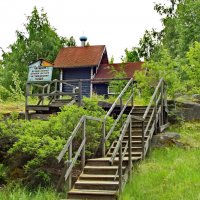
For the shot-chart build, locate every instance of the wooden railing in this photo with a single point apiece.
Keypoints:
(47, 92)
(105, 136)
(153, 116)
(157, 103)
(123, 106)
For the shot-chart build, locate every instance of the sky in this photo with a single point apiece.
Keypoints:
(118, 24)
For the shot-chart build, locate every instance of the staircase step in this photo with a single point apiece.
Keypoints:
(134, 157)
(134, 144)
(92, 194)
(98, 177)
(96, 185)
(136, 151)
(101, 169)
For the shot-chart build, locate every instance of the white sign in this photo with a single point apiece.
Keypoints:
(39, 73)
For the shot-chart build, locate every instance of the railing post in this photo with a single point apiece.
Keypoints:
(165, 103)
(130, 148)
(69, 180)
(162, 104)
(43, 95)
(26, 100)
(132, 89)
(143, 149)
(121, 107)
(120, 169)
(103, 145)
(55, 90)
(80, 93)
(83, 150)
(155, 116)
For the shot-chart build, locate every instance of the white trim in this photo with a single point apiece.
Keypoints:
(91, 77)
(61, 78)
(111, 91)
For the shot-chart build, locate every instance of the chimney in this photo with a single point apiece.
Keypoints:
(83, 39)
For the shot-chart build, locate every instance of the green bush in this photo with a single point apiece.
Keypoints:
(4, 93)
(34, 145)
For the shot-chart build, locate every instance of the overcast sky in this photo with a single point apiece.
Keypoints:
(118, 24)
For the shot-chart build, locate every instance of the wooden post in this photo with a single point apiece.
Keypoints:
(80, 93)
(43, 95)
(162, 104)
(55, 90)
(132, 99)
(26, 101)
(165, 103)
(120, 169)
(69, 180)
(103, 142)
(155, 116)
(130, 148)
(83, 151)
(143, 149)
(121, 107)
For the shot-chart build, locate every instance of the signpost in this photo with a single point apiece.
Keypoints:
(38, 73)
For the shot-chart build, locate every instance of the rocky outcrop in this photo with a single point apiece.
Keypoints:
(183, 111)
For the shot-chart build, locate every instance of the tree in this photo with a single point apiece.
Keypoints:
(176, 55)
(39, 40)
(148, 45)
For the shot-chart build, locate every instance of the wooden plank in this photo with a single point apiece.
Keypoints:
(38, 107)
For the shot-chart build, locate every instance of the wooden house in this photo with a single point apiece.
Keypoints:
(89, 64)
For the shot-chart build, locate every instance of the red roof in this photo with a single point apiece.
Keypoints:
(108, 71)
(79, 56)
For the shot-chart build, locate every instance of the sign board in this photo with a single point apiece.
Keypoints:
(38, 73)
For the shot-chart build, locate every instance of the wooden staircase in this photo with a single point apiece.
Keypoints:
(100, 179)
(104, 178)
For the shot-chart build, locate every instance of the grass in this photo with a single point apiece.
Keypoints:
(8, 107)
(169, 173)
(17, 192)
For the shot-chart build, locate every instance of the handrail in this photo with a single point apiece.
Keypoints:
(120, 95)
(118, 118)
(123, 108)
(152, 98)
(124, 129)
(64, 150)
(156, 97)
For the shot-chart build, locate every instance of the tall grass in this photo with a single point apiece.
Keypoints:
(169, 173)
(18, 192)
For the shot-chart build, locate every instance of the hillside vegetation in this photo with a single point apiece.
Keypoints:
(169, 173)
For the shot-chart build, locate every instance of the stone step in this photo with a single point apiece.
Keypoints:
(96, 185)
(92, 194)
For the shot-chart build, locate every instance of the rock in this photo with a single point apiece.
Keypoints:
(165, 139)
(183, 111)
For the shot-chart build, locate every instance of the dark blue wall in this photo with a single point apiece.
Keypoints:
(100, 88)
(78, 73)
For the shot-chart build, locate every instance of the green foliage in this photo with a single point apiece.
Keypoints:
(3, 173)
(192, 69)
(169, 173)
(116, 86)
(154, 70)
(131, 56)
(34, 145)
(39, 40)
(4, 93)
